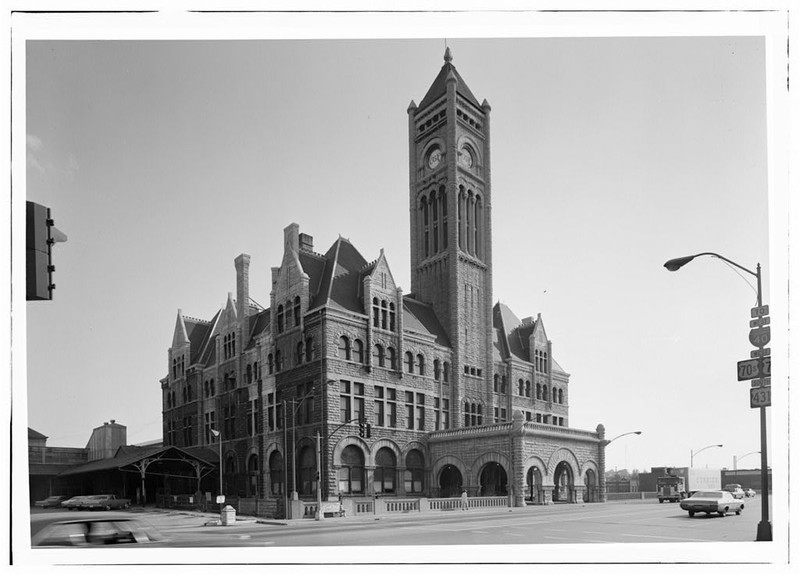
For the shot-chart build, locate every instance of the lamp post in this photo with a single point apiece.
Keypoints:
(764, 532)
(693, 453)
(736, 460)
(607, 442)
(217, 434)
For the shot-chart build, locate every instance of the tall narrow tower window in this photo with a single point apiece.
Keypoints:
(424, 208)
(435, 208)
(443, 200)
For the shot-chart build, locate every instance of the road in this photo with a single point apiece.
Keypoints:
(612, 522)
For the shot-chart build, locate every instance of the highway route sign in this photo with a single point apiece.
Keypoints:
(763, 321)
(759, 311)
(760, 397)
(760, 336)
(760, 353)
(754, 368)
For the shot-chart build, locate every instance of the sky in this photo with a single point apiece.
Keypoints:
(163, 160)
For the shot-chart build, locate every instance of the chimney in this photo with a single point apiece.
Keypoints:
(291, 240)
(242, 284)
(306, 243)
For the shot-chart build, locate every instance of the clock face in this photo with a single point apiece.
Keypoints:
(465, 158)
(434, 158)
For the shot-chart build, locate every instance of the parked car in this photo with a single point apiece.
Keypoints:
(749, 493)
(74, 502)
(710, 501)
(50, 502)
(735, 489)
(96, 531)
(104, 502)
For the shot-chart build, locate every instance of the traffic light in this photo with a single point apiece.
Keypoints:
(362, 428)
(40, 236)
(369, 430)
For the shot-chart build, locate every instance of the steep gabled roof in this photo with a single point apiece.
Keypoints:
(34, 435)
(512, 336)
(420, 317)
(198, 332)
(439, 86)
(339, 284)
(259, 323)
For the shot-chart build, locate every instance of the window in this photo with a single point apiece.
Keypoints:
(271, 363)
(210, 422)
(252, 418)
(384, 315)
(392, 356)
(307, 471)
(414, 411)
(385, 472)
(473, 414)
(280, 319)
(378, 357)
(437, 370)
(271, 409)
(392, 321)
(437, 415)
(409, 362)
(521, 387)
(376, 313)
(276, 473)
(446, 372)
(527, 389)
(304, 405)
(561, 396)
(344, 348)
(351, 401)
(544, 393)
(538, 390)
(496, 382)
(229, 346)
(278, 361)
(414, 473)
(187, 431)
(410, 410)
(421, 364)
(351, 473)
(252, 476)
(297, 310)
(445, 414)
(298, 356)
(249, 374)
(385, 407)
(309, 349)
(358, 351)
(378, 409)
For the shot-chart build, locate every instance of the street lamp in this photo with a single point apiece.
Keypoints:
(217, 434)
(737, 458)
(764, 532)
(621, 435)
(693, 453)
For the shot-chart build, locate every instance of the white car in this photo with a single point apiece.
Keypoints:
(735, 489)
(750, 493)
(710, 501)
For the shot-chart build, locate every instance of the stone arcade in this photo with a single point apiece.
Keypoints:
(415, 395)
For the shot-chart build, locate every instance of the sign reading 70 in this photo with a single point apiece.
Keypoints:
(754, 368)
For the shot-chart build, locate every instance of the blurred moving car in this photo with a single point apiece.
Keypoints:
(104, 502)
(749, 493)
(74, 502)
(735, 489)
(710, 501)
(50, 502)
(97, 531)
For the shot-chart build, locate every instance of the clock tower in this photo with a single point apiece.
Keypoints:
(450, 207)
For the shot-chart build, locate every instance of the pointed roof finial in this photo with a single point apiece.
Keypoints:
(447, 56)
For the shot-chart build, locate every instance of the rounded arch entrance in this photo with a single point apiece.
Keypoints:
(591, 490)
(450, 481)
(534, 492)
(564, 482)
(493, 480)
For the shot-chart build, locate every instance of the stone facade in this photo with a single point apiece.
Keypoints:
(422, 394)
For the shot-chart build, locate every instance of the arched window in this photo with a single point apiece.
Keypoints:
(421, 364)
(212, 387)
(358, 351)
(544, 392)
(256, 371)
(298, 353)
(309, 349)
(435, 206)
(409, 362)
(306, 471)
(474, 418)
(503, 384)
(297, 310)
(480, 414)
(378, 357)
(538, 390)
(561, 396)
(391, 317)
(527, 389)
(351, 472)
(271, 363)
(385, 472)
(521, 387)
(252, 476)
(280, 318)
(415, 472)
(392, 356)
(443, 199)
(424, 209)
(446, 372)
(249, 374)
(344, 348)
(376, 313)
(384, 315)
(437, 369)
(276, 473)
(205, 389)
(496, 382)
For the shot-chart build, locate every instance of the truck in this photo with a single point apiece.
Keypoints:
(680, 483)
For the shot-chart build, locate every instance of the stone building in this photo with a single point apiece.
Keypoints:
(414, 394)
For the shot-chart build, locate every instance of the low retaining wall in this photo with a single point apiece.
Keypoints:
(630, 495)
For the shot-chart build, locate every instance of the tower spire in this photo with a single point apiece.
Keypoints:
(447, 55)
